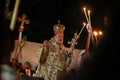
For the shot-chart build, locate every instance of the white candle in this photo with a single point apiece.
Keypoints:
(89, 17)
(96, 35)
(84, 24)
(84, 9)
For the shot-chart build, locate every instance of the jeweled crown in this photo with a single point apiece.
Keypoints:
(58, 28)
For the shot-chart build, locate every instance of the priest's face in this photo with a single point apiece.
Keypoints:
(59, 38)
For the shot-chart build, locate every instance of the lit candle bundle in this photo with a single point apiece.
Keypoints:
(88, 18)
(87, 15)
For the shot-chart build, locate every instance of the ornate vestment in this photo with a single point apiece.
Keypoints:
(54, 68)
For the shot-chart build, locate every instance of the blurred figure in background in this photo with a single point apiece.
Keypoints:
(14, 64)
(27, 69)
(6, 47)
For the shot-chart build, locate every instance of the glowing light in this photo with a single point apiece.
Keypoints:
(88, 11)
(95, 33)
(100, 33)
(84, 9)
(84, 23)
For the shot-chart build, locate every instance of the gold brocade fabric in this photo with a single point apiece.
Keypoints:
(55, 66)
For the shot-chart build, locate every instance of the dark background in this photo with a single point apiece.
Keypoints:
(43, 14)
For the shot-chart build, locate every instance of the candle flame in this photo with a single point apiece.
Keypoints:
(84, 23)
(100, 33)
(88, 11)
(95, 33)
(84, 8)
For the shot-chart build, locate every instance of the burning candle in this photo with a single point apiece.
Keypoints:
(89, 17)
(84, 9)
